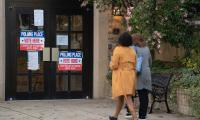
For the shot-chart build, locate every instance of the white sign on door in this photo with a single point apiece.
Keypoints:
(33, 61)
(62, 39)
(38, 17)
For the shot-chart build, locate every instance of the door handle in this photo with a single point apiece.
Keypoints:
(46, 54)
(55, 54)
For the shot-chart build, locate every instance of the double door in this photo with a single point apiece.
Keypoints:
(64, 31)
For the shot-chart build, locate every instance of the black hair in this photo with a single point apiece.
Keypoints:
(125, 39)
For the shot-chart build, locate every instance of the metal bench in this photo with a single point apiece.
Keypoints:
(160, 83)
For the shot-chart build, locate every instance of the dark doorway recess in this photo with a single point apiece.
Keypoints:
(61, 17)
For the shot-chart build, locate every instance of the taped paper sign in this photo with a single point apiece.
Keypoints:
(33, 61)
(38, 17)
(62, 39)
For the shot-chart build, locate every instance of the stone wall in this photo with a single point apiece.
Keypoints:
(183, 102)
(169, 53)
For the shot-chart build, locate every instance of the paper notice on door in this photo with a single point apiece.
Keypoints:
(33, 61)
(62, 39)
(38, 17)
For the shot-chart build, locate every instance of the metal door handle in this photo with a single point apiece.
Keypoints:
(55, 54)
(46, 54)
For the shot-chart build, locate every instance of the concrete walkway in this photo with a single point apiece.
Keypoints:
(69, 110)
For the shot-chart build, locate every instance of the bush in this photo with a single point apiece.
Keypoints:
(163, 67)
(187, 79)
(195, 96)
(109, 76)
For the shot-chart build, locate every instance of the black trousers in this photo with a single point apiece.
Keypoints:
(144, 101)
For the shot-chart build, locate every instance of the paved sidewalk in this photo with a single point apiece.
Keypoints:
(69, 110)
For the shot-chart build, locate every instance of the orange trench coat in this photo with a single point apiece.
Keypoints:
(123, 71)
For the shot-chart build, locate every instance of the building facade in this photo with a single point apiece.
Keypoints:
(30, 53)
(34, 35)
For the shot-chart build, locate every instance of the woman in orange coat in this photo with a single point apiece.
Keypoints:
(123, 75)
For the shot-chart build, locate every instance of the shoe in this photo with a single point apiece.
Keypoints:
(142, 118)
(112, 118)
(128, 115)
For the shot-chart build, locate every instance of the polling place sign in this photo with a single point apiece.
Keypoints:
(70, 61)
(32, 40)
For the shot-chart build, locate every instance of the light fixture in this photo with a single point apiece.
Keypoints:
(116, 11)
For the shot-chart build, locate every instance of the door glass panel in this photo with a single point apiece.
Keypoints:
(76, 41)
(22, 62)
(62, 83)
(63, 47)
(37, 84)
(74, 33)
(77, 23)
(62, 26)
(62, 23)
(25, 22)
(41, 64)
(22, 84)
(76, 83)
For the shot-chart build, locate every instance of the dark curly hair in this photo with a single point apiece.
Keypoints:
(125, 39)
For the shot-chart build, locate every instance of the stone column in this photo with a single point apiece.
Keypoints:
(2, 49)
(100, 53)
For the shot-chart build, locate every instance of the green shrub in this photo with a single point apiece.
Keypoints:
(187, 79)
(109, 76)
(163, 67)
(195, 96)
